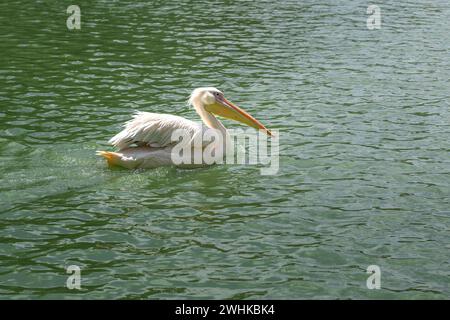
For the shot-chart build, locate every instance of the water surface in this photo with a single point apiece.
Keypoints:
(364, 172)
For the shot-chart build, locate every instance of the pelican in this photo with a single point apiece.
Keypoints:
(146, 140)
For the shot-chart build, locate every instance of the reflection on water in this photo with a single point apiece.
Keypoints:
(364, 171)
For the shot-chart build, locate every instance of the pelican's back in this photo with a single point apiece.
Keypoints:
(153, 130)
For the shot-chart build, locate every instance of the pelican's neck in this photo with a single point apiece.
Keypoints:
(208, 118)
(212, 122)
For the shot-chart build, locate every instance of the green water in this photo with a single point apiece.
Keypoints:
(364, 171)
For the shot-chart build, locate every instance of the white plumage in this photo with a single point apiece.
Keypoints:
(153, 130)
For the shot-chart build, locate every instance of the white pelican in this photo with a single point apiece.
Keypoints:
(146, 140)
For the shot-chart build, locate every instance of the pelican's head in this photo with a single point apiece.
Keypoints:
(213, 101)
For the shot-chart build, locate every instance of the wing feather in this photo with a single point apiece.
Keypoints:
(152, 129)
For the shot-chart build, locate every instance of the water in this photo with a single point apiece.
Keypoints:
(364, 168)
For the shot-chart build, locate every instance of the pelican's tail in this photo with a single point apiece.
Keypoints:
(138, 157)
(113, 158)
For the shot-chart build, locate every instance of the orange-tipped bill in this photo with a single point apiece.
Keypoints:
(229, 110)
